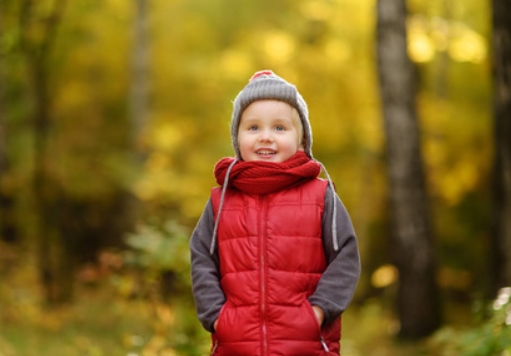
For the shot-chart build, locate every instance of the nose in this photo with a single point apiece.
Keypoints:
(266, 135)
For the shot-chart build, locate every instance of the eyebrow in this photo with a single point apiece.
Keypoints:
(257, 119)
(249, 121)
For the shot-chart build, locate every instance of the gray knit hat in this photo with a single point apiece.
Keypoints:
(266, 85)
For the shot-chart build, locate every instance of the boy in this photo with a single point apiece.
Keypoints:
(274, 256)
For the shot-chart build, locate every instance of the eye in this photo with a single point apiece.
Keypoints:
(279, 128)
(252, 128)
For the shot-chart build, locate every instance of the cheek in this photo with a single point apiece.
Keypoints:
(241, 138)
(244, 141)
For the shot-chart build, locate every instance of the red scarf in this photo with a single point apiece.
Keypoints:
(258, 177)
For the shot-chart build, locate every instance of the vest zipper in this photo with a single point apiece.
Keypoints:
(262, 257)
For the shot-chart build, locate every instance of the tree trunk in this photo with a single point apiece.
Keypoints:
(56, 272)
(501, 231)
(418, 302)
(138, 101)
(8, 230)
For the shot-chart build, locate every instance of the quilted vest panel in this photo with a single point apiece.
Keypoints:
(271, 259)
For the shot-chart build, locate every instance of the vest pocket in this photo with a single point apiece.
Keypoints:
(214, 337)
(220, 323)
(214, 347)
(313, 316)
(321, 340)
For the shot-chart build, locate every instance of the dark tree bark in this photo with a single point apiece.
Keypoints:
(8, 229)
(418, 302)
(54, 264)
(501, 231)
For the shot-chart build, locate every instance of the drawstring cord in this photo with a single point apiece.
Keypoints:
(222, 198)
(224, 188)
(334, 217)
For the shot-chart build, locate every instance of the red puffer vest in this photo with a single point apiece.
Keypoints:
(271, 259)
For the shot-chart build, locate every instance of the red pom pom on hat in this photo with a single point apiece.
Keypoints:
(260, 73)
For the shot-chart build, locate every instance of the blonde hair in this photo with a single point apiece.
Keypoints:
(298, 125)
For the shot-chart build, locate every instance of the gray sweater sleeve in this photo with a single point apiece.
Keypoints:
(337, 284)
(208, 295)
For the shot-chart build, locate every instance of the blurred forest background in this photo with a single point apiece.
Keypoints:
(114, 112)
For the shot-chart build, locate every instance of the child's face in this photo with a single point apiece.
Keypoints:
(269, 131)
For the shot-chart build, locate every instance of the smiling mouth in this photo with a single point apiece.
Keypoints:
(266, 152)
